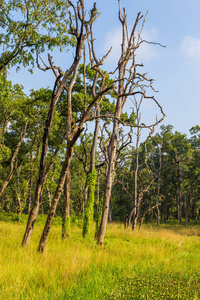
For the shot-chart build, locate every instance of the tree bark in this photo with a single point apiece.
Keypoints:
(66, 205)
(29, 199)
(89, 211)
(34, 212)
(125, 87)
(109, 177)
(136, 210)
(56, 198)
(19, 202)
(13, 163)
(55, 97)
(159, 181)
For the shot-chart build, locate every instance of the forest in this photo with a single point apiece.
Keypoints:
(74, 154)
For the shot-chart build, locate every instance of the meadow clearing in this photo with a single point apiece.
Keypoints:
(160, 262)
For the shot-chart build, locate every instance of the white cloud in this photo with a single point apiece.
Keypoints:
(190, 47)
(145, 53)
(113, 39)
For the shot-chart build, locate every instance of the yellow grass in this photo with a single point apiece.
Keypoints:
(26, 274)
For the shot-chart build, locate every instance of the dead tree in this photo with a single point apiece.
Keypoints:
(137, 207)
(60, 83)
(75, 131)
(129, 83)
(159, 182)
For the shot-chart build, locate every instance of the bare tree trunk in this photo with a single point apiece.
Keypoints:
(19, 202)
(109, 213)
(66, 205)
(140, 198)
(89, 211)
(56, 198)
(13, 162)
(34, 212)
(29, 199)
(144, 214)
(55, 97)
(126, 87)
(99, 205)
(136, 210)
(109, 177)
(158, 191)
(114, 138)
(75, 133)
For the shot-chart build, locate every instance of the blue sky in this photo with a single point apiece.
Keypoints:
(176, 68)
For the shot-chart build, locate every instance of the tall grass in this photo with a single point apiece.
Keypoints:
(153, 263)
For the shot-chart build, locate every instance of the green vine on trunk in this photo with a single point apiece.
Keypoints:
(89, 210)
(98, 217)
(66, 228)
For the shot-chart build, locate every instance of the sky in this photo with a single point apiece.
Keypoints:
(175, 68)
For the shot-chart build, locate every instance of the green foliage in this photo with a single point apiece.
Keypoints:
(30, 26)
(98, 217)
(89, 210)
(12, 217)
(16, 108)
(128, 119)
(5, 153)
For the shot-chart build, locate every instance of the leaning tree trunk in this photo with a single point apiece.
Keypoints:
(109, 177)
(77, 129)
(19, 200)
(66, 205)
(55, 97)
(91, 180)
(66, 200)
(99, 205)
(56, 198)
(13, 163)
(75, 133)
(111, 163)
(42, 174)
(29, 199)
(35, 209)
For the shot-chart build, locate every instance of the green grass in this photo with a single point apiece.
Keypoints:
(153, 263)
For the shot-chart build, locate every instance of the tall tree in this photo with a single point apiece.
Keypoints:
(130, 83)
(73, 132)
(29, 26)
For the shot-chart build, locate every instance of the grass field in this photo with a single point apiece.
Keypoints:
(153, 263)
